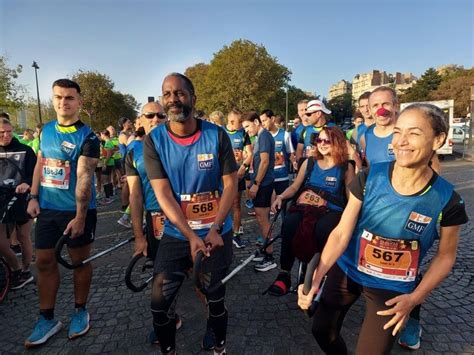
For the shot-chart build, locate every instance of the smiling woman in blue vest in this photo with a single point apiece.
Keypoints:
(388, 226)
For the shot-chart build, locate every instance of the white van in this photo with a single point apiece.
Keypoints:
(448, 107)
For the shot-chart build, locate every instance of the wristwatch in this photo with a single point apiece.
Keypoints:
(256, 182)
(217, 227)
(32, 197)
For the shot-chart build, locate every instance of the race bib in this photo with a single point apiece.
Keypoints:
(388, 259)
(200, 209)
(158, 220)
(239, 156)
(55, 173)
(309, 197)
(279, 160)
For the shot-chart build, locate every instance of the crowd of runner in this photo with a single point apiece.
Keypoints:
(370, 200)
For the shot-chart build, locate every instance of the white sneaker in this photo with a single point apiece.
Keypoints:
(124, 221)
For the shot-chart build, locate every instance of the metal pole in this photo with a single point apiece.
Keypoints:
(469, 145)
(35, 65)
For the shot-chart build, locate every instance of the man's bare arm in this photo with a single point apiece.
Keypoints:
(85, 172)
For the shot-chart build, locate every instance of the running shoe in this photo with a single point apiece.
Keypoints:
(21, 279)
(238, 242)
(241, 230)
(259, 257)
(105, 201)
(44, 329)
(266, 264)
(16, 248)
(259, 241)
(249, 204)
(125, 221)
(79, 324)
(411, 335)
(251, 213)
(220, 351)
(152, 339)
(209, 340)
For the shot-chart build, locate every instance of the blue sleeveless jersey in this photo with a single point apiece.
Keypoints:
(393, 232)
(237, 141)
(361, 132)
(330, 181)
(60, 149)
(378, 150)
(308, 132)
(151, 204)
(281, 169)
(132, 144)
(193, 172)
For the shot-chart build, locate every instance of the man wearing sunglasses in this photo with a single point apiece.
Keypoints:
(315, 114)
(192, 170)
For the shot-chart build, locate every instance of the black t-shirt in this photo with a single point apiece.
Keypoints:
(25, 162)
(155, 169)
(130, 169)
(453, 214)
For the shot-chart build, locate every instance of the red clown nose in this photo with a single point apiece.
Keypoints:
(383, 112)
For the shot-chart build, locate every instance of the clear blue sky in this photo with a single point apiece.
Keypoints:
(137, 43)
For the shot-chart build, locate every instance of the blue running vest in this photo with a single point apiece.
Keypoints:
(195, 176)
(237, 141)
(393, 232)
(151, 204)
(60, 148)
(281, 170)
(378, 150)
(331, 181)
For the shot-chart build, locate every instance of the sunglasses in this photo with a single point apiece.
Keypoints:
(151, 115)
(321, 140)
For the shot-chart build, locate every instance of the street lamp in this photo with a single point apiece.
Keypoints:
(286, 108)
(36, 66)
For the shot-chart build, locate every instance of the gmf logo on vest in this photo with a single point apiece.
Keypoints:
(417, 223)
(205, 161)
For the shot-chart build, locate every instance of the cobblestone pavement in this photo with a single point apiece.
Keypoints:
(258, 324)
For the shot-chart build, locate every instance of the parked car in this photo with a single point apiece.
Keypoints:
(459, 135)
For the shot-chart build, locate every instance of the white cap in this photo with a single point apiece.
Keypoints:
(317, 105)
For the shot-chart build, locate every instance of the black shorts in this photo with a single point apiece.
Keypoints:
(17, 214)
(51, 224)
(264, 196)
(280, 186)
(175, 255)
(107, 170)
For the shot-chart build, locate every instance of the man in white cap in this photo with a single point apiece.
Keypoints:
(315, 114)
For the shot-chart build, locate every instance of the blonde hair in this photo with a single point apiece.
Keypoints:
(217, 117)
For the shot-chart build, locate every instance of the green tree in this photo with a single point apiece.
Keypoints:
(422, 89)
(102, 105)
(242, 75)
(341, 106)
(277, 103)
(11, 94)
(456, 85)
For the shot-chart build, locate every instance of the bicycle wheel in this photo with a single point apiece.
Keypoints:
(5, 279)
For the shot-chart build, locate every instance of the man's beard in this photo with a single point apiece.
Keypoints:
(181, 117)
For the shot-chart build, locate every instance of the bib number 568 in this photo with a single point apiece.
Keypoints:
(203, 208)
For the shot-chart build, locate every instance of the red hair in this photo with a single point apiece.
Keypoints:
(338, 142)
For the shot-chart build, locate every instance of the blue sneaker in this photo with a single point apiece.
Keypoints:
(249, 204)
(259, 241)
(411, 335)
(44, 329)
(79, 324)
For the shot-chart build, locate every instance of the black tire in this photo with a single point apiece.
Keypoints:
(136, 277)
(308, 281)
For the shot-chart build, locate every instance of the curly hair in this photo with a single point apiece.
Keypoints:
(338, 142)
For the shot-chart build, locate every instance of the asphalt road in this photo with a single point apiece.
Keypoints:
(258, 324)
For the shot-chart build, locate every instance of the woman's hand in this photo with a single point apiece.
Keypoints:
(402, 306)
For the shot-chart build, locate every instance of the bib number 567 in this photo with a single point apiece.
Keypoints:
(386, 255)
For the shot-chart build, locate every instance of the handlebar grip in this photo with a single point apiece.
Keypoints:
(57, 252)
(308, 281)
